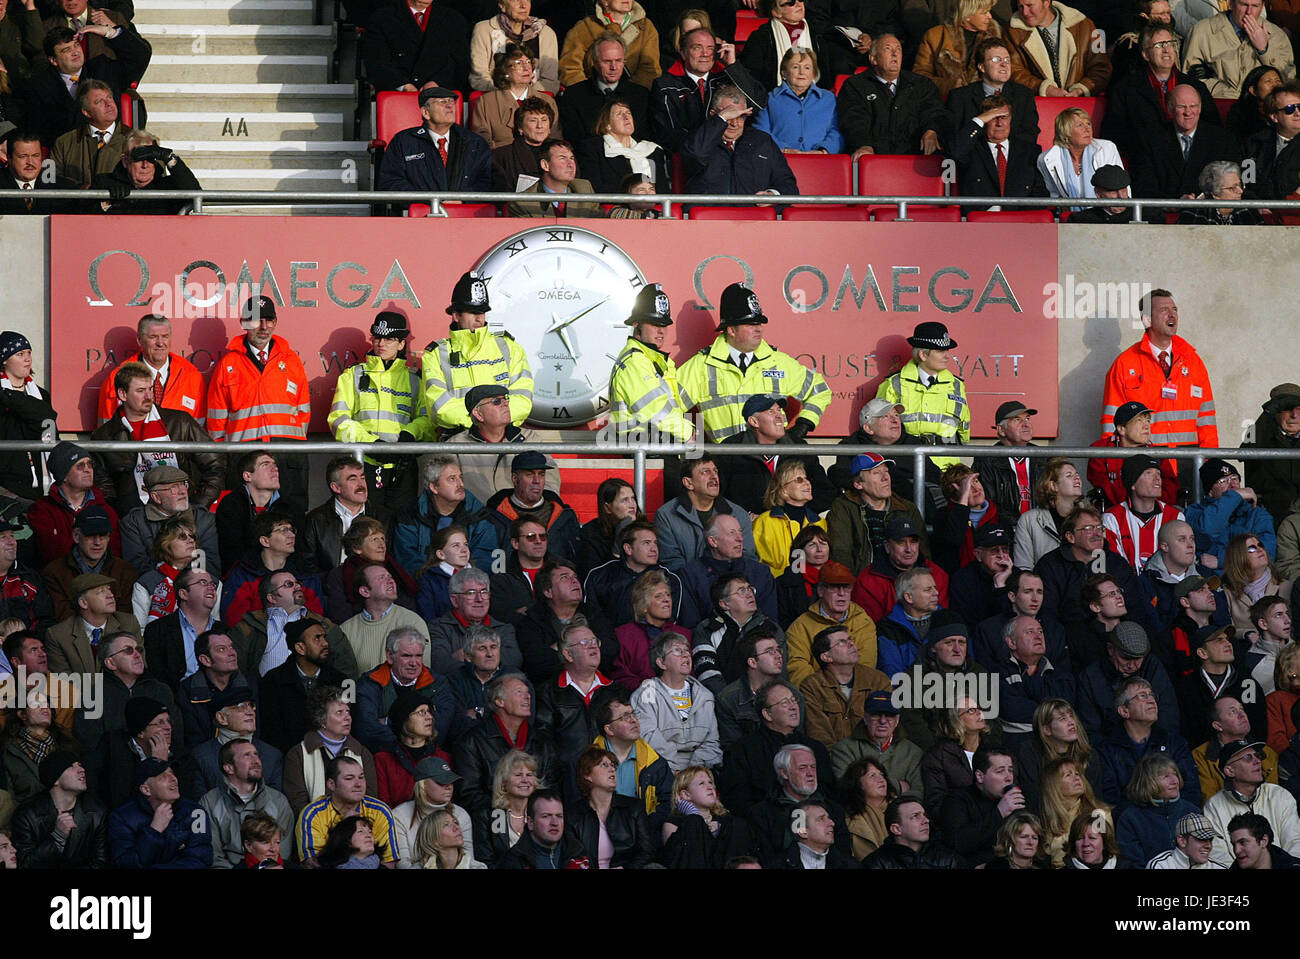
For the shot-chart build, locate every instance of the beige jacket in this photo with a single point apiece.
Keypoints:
(1081, 57)
(1213, 44)
(488, 39)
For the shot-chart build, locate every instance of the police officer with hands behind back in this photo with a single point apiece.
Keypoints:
(380, 400)
(739, 364)
(472, 355)
(646, 403)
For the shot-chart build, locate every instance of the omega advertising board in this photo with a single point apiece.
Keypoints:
(841, 297)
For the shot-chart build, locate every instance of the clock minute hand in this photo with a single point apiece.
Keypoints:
(557, 325)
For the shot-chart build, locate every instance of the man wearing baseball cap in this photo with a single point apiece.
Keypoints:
(380, 400)
(1277, 427)
(259, 391)
(882, 425)
(935, 408)
(157, 828)
(978, 589)
(1245, 791)
(1133, 525)
(487, 472)
(645, 401)
(472, 355)
(745, 479)
(904, 540)
(1127, 655)
(1228, 509)
(857, 520)
(528, 496)
(740, 364)
(1132, 431)
(1193, 846)
(1009, 483)
(439, 155)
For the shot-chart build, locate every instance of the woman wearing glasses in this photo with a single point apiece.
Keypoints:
(514, 74)
(787, 511)
(946, 766)
(514, 25)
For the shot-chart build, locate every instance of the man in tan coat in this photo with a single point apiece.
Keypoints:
(1056, 51)
(71, 644)
(1221, 50)
(559, 177)
(836, 695)
(96, 146)
(832, 608)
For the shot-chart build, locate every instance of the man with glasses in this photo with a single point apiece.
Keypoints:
(1138, 104)
(992, 59)
(642, 773)
(833, 607)
(487, 472)
(234, 716)
(837, 693)
(512, 589)
(168, 492)
(1229, 722)
(1138, 734)
(1127, 655)
(368, 631)
(717, 640)
(1227, 509)
(566, 708)
(748, 775)
(470, 592)
(1245, 791)
(1082, 552)
(260, 638)
(580, 103)
(609, 586)
(170, 640)
(259, 391)
(738, 714)
(122, 658)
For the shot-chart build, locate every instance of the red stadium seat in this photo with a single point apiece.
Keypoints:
(1224, 106)
(1049, 108)
(733, 213)
(469, 107)
(882, 174)
(457, 211)
(747, 26)
(919, 213)
(821, 211)
(840, 78)
(397, 110)
(822, 174)
(1010, 216)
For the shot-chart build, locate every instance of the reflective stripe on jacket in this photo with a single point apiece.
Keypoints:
(644, 393)
(469, 358)
(247, 404)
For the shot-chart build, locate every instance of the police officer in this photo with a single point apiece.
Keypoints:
(739, 365)
(472, 355)
(646, 404)
(258, 391)
(935, 409)
(380, 400)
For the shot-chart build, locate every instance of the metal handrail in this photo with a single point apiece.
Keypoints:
(666, 201)
(640, 453)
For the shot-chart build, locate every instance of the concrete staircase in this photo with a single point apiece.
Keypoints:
(239, 88)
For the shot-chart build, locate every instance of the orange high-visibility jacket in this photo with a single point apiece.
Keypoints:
(184, 390)
(1182, 407)
(245, 403)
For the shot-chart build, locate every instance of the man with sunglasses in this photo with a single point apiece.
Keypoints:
(528, 496)
(1275, 149)
(512, 590)
(123, 663)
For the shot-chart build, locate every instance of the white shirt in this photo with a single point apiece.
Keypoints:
(108, 133)
(736, 355)
(347, 516)
(164, 371)
(812, 859)
(277, 650)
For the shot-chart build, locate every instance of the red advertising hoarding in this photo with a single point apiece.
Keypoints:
(840, 296)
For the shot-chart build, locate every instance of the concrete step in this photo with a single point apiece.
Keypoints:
(287, 209)
(278, 68)
(245, 99)
(203, 40)
(225, 11)
(339, 159)
(299, 178)
(278, 126)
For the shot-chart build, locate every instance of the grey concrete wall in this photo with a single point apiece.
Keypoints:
(24, 285)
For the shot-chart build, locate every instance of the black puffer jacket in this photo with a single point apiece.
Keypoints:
(625, 825)
(85, 848)
(930, 856)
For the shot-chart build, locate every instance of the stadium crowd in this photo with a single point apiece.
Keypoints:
(443, 666)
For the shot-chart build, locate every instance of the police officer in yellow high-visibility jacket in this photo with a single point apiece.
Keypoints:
(472, 355)
(645, 404)
(739, 365)
(935, 409)
(380, 400)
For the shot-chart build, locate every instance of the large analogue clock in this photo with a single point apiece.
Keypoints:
(563, 293)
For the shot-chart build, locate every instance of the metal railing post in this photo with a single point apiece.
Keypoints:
(1137, 212)
(198, 204)
(1197, 463)
(918, 479)
(638, 476)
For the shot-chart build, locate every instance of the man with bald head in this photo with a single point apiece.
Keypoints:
(724, 553)
(1167, 158)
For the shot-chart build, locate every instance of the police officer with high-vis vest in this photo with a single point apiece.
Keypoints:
(739, 365)
(472, 355)
(645, 404)
(258, 391)
(380, 400)
(935, 408)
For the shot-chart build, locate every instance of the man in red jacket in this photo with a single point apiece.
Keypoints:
(177, 383)
(73, 490)
(875, 590)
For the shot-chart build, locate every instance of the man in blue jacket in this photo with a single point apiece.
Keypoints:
(438, 156)
(157, 829)
(1138, 736)
(722, 156)
(1227, 509)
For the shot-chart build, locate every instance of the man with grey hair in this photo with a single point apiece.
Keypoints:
(177, 383)
(147, 166)
(1009, 481)
(725, 155)
(444, 501)
(404, 670)
(481, 647)
(475, 755)
(368, 631)
(881, 424)
(168, 494)
(889, 109)
(581, 103)
(1028, 678)
(747, 775)
(774, 819)
(566, 708)
(470, 592)
(1139, 735)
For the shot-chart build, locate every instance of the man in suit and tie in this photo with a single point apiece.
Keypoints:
(992, 59)
(92, 26)
(989, 162)
(580, 104)
(96, 147)
(559, 177)
(24, 173)
(440, 155)
(680, 99)
(415, 42)
(1139, 104)
(889, 109)
(71, 645)
(1169, 157)
(52, 92)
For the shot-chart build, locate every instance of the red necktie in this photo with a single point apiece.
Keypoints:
(442, 150)
(261, 357)
(158, 389)
(1165, 363)
(704, 91)
(559, 209)
(421, 18)
(1022, 480)
(1002, 169)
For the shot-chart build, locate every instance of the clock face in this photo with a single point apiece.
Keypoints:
(563, 293)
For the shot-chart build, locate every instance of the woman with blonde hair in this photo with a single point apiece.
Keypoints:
(787, 511)
(1281, 701)
(514, 25)
(700, 833)
(1038, 532)
(499, 827)
(514, 73)
(1058, 734)
(1019, 843)
(440, 843)
(946, 54)
(1067, 168)
(801, 116)
(946, 766)
(1066, 796)
(174, 548)
(1249, 576)
(1146, 825)
(652, 614)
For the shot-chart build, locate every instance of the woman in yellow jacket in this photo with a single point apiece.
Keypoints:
(787, 512)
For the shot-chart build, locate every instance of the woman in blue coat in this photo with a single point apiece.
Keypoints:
(1145, 824)
(800, 116)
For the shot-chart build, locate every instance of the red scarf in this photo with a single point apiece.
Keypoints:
(149, 428)
(162, 601)
(519, 743)
(811, 574)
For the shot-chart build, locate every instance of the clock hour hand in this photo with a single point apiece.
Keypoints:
(557, 324)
